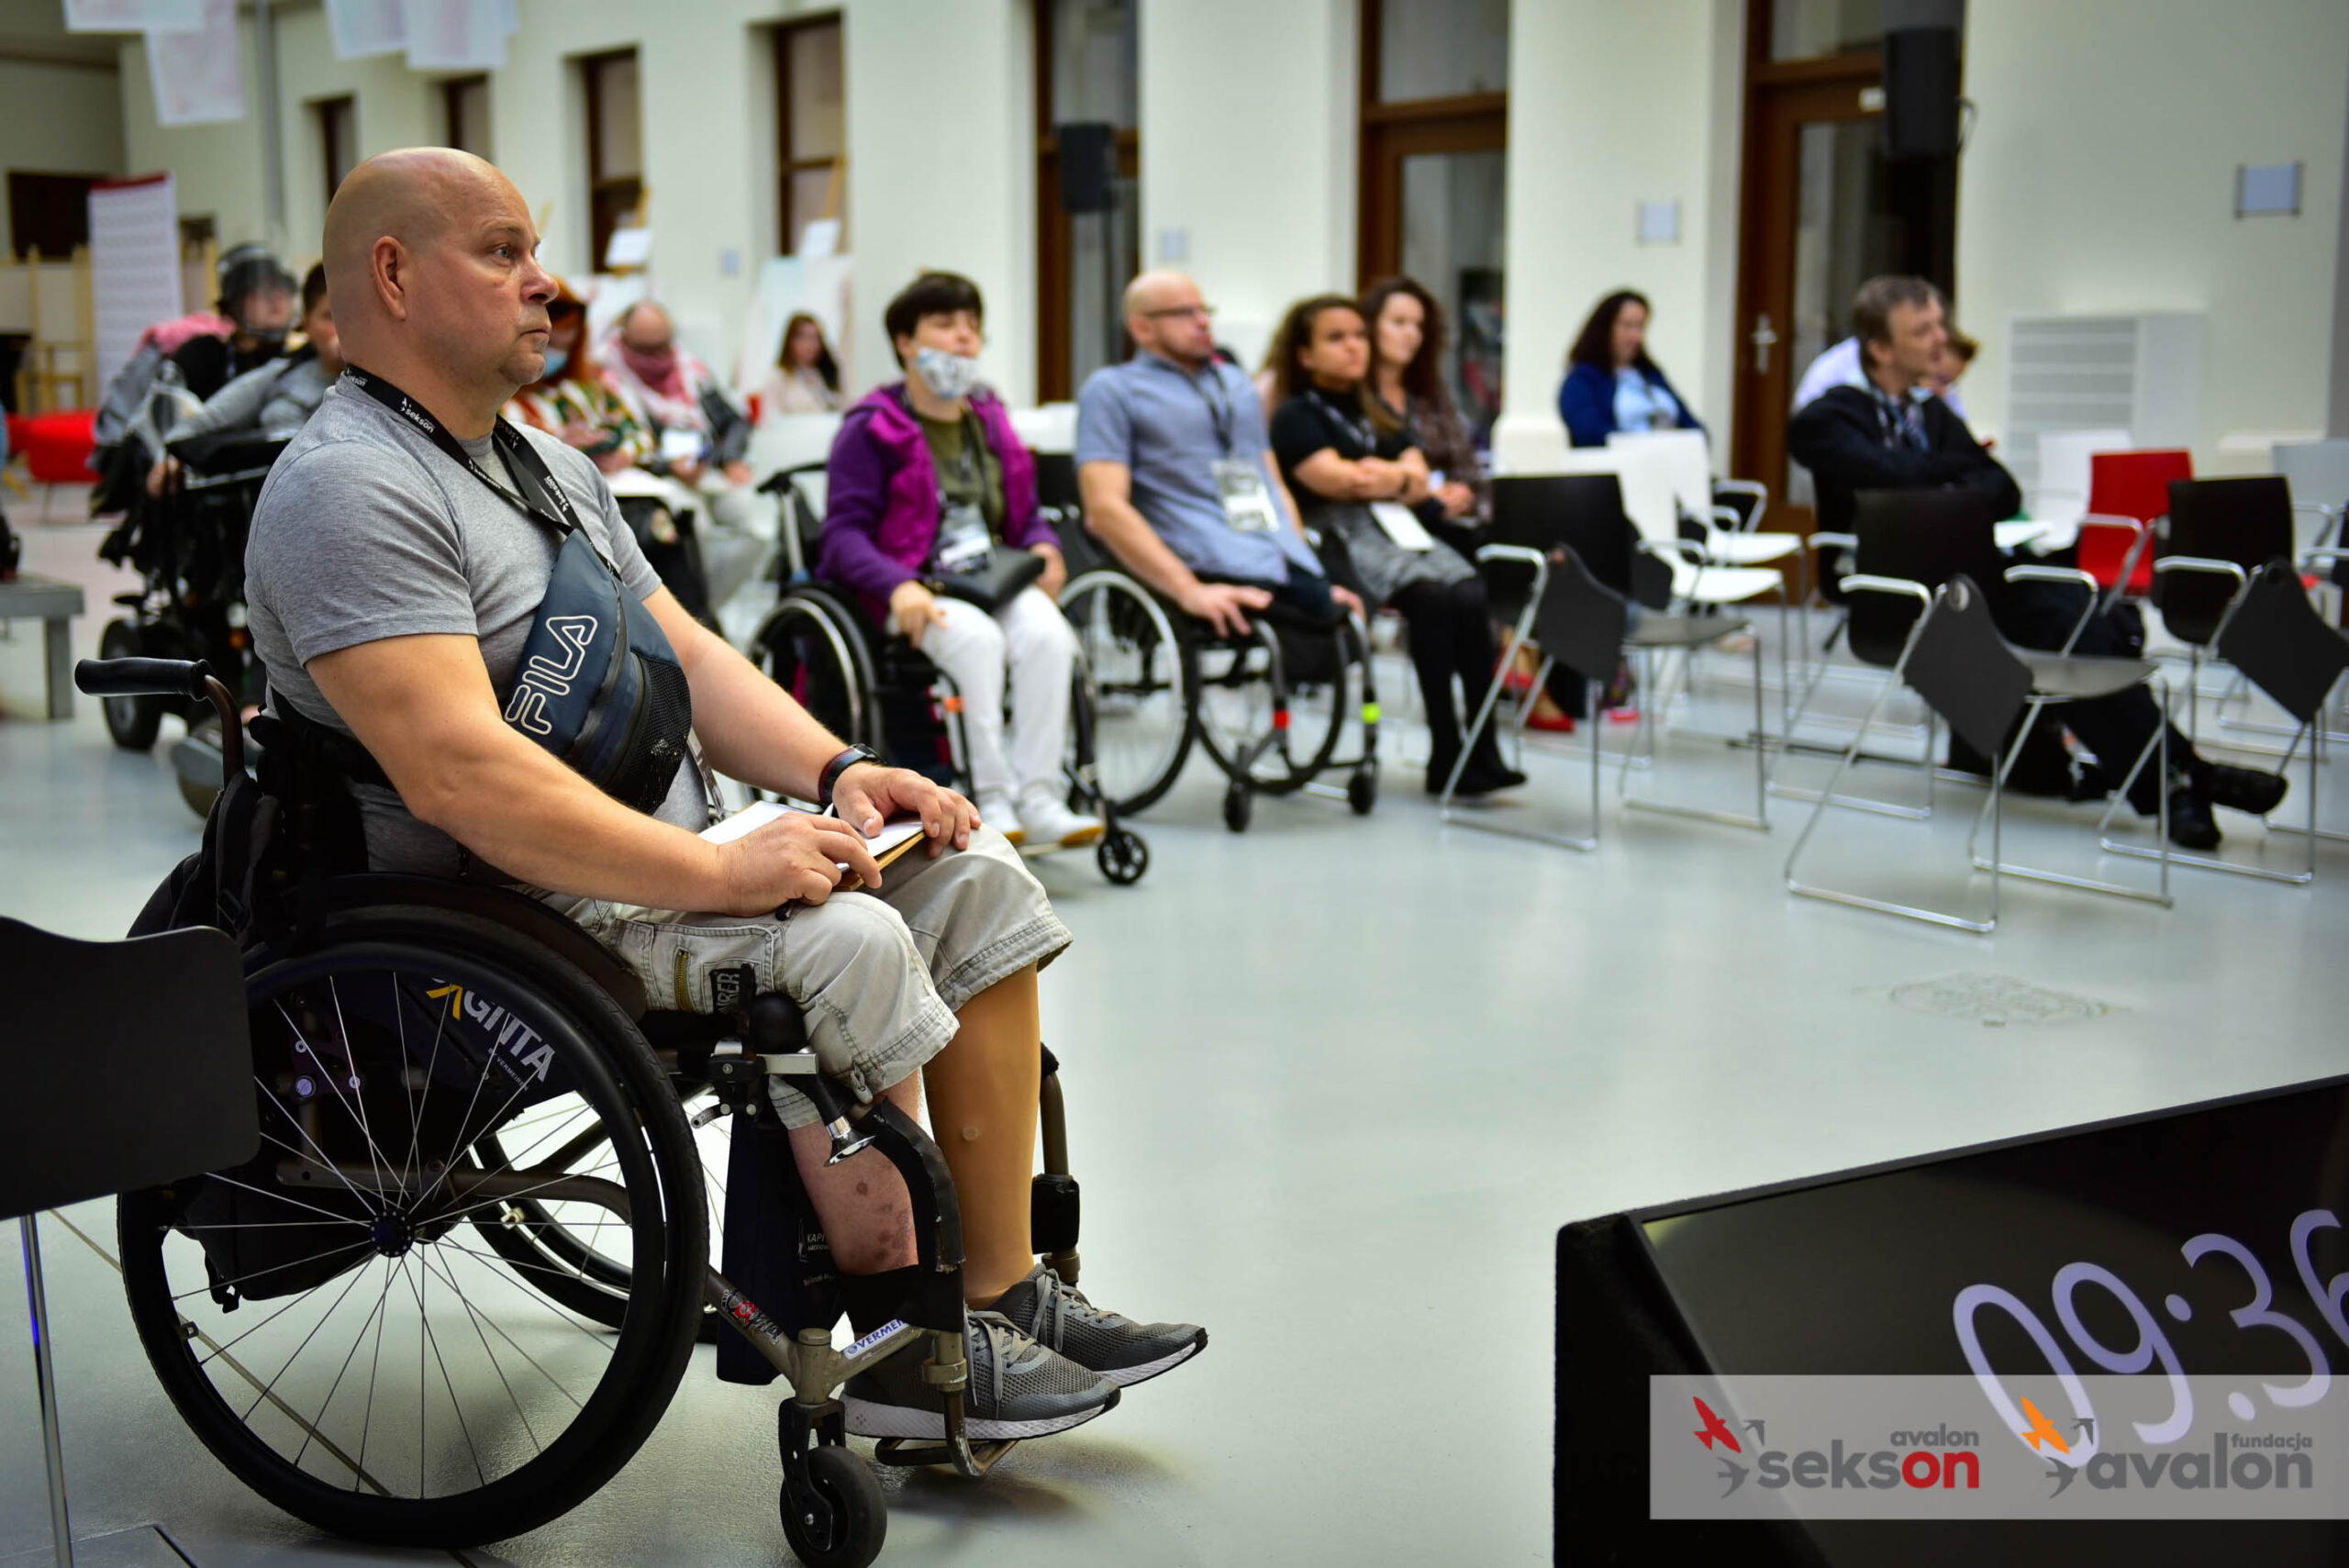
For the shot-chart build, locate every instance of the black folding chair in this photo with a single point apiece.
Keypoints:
(2266, 629)
(1954, 658)
(1570, 562)
(154, 1030)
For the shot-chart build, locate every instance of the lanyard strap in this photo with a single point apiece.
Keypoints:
(1362, 432)
(1219, 408)
(541, 499)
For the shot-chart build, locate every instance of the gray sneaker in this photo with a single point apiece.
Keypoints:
(1017, 1389)
(1056, 1315)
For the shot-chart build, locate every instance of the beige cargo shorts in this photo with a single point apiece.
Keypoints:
(879, 976)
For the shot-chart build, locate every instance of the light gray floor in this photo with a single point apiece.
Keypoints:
(1334, 1087)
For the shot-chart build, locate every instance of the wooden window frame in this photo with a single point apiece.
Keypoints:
(451, 120)
(1053, 282)
(324, 112)
(788, 164)
(600, 228)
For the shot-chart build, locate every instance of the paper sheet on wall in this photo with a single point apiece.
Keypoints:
(455, 35)
(198, 76)
(134, 266)
(132, 16)
(364, 28)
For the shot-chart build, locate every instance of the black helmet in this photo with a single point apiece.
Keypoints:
(246, 271)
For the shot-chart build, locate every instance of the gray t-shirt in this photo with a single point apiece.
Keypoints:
(366, 530)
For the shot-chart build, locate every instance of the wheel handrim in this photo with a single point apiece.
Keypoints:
(1136, 668)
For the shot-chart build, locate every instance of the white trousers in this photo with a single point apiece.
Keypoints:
(1033, 639)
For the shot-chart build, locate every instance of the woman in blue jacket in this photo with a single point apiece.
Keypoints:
(1612, 384)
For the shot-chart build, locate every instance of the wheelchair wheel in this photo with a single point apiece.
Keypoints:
(1235, 713)
(131, 721)
(843, 1518)
(1141, 725)
(811, 649)
(324, 1315)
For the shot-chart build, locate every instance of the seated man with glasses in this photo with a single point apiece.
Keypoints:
(1176, 471)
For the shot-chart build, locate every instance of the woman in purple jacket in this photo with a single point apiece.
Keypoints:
(925, 477)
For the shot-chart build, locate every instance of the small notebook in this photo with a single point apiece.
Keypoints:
(1401, 525)
(894, 839)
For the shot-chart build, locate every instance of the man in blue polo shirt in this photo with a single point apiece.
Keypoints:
(1177, 475)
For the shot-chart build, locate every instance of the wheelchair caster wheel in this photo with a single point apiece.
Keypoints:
(837, 1518)
(1122, 857)
(1361, 790)
(1237, 804)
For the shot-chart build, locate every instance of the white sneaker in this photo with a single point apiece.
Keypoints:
(996, 812)
(1051, 825)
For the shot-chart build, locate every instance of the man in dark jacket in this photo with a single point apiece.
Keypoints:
(1884, 437)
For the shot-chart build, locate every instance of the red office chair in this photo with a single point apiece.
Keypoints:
(2127, 490)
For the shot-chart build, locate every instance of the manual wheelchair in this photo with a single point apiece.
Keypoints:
(457, 1285)
(1271, 706)
(877, 690)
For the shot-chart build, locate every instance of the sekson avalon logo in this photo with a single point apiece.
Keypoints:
(1921, 1459)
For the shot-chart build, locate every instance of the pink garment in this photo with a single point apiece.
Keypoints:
(169, 336)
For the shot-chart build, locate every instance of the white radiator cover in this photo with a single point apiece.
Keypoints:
(2141, 373)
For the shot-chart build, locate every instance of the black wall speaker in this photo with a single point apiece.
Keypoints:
(1088, 156)
(1921, 93)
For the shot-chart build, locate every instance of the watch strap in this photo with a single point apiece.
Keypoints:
(836, 767)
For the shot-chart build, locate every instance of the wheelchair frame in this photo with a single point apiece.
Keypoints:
(870, 680)
(832, 1510)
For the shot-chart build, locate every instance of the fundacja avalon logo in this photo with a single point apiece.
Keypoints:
(1922, 1460)
(2237, 1460)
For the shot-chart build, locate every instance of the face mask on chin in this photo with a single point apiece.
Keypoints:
(556, 360)
(951, 376)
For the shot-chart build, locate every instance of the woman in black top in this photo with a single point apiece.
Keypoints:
(1406, 387)
(1338, 466)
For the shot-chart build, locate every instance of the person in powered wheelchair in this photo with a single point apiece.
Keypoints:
(429, 585)
(930, 521)
(1178, 481)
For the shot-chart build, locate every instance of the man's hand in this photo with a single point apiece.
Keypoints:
(163, 471)
(795, 859)
(915, 610)
(1221, 606)
(1348, 600)
(686, 470)
(867, 795)
(1458, 499)
(737, 473)
(1055, 575)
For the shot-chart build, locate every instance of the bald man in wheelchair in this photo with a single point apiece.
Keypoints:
(427, 588)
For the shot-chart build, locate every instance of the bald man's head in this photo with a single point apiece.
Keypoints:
(432, 268)
(1166, 315)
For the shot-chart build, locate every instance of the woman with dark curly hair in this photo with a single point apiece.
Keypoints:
(1342, 469)
(1612, 384)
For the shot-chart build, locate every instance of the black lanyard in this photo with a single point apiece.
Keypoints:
(1219, 408)
(1364, 432)
(541, 499)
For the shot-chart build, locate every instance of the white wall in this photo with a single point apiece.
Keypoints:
(61, 120)
(2100, 177)
(942, 168)
(1612, 104)
(216, 168)
(1249, 131)
(940, 115)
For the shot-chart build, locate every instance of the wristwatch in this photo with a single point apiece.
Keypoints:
(838, 765)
